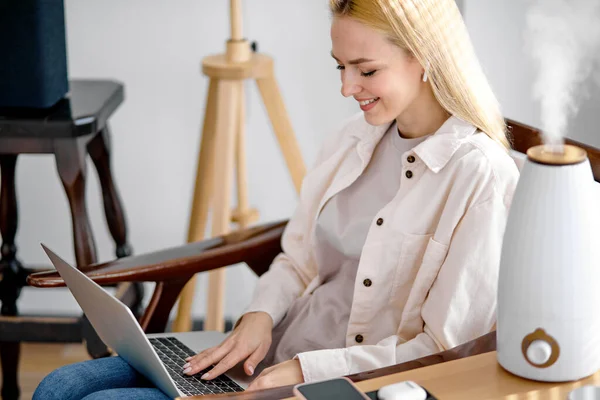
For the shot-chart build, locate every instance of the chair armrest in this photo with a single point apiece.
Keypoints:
(255, 246)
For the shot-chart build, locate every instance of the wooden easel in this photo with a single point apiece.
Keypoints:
(222, 147)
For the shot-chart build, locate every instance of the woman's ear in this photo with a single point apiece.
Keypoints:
(425, 72)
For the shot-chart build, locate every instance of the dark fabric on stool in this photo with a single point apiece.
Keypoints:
(33, 71)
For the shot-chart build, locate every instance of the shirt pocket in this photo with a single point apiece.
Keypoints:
(418, 265)
(422, 281)
(411, 251)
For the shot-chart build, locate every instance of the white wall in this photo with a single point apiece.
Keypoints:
(155, 47)
(497, 30)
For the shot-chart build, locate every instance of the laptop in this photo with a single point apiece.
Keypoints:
(159, 357)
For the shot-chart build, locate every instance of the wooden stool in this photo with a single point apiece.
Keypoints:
(222, 150)
(71, 129)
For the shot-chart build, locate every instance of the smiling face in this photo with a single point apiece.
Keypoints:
(383, 78)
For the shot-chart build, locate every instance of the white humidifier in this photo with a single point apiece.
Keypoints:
(548, 326)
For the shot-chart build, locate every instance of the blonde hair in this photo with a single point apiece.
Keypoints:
(434, 32)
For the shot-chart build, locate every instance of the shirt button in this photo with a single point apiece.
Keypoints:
(359, 338)
(411, 159)
(380, 221)
(409, 174)
(367, 282)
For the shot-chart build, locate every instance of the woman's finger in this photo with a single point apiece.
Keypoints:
(201, 356)
(211, 358)
(203, 353)
(225, 364)
(255, 358)
(198, 357)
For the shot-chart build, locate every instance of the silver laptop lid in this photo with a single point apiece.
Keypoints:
(115, 324)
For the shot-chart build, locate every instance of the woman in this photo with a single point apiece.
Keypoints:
(393, 251)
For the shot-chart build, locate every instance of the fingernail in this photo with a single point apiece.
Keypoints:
(186, 365)
(205, 376)
(251, 369)
(189, 358)
(185, 371)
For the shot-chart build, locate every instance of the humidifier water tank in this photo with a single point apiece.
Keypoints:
(548, 325)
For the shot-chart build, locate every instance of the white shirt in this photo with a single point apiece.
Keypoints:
(432, 253)
(319, 321)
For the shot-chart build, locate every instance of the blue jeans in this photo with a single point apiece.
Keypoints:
(108, 378)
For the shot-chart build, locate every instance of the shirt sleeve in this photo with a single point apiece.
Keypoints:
(292, 270)
(288, 275)
(460, 306)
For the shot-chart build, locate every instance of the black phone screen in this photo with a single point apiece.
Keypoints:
(331, 389)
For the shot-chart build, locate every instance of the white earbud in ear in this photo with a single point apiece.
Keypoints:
(425, 73)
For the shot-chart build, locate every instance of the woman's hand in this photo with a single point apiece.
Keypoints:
(285, 373)
(249, 341)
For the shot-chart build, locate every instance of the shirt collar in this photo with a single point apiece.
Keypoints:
(435, 152)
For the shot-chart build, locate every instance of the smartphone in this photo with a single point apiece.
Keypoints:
(337, 388)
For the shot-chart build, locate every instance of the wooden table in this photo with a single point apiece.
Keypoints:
(479, 378)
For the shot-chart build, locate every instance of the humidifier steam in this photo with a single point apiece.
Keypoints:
(563, 39)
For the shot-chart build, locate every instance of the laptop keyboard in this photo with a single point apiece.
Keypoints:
(173, 354)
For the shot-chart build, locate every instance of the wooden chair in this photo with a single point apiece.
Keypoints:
(171, 269)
